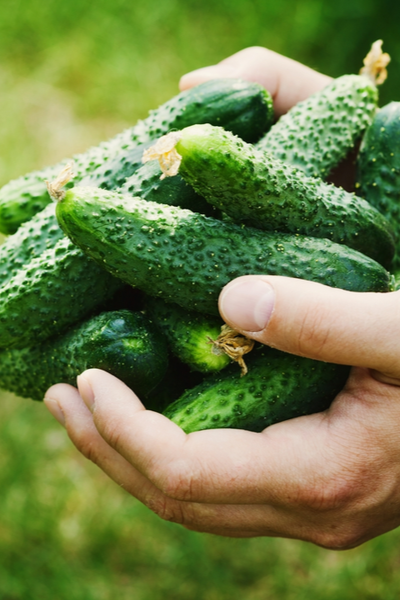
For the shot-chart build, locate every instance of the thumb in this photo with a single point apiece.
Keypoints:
(314, 320)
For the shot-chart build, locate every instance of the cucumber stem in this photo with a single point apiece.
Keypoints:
(55, 187)
(375, 63)
(235, 345)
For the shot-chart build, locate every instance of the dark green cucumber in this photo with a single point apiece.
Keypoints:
(378, 168)
(316, 134)
(52, 291)
(255, 189)
(189, 334)
(242, 107)
(146, 184)
(278, 387)
(123, 343)
(187, 258)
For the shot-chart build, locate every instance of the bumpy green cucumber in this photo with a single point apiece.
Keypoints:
(255, 189)
(52, 291)
(189, 334)
(123, 343)
(32, 238)
(316, 134)
(242, 107)
(278, 387)
(378, 168)
(187, 258)
(146, 184)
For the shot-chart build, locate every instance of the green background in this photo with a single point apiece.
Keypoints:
(72, 74)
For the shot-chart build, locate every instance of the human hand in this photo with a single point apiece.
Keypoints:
(331, 478)
(287, 80)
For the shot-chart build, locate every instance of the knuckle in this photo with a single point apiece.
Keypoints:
(339, 540)
(166, 509)
(336, 493)
(111, 432)
(86, 445)
(177, 482)
(313, 332)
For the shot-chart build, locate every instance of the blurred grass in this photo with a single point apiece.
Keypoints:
(71, 75)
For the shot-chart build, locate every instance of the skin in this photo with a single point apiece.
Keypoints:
(331, 478)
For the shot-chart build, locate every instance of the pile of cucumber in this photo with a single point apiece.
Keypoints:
(123, 271)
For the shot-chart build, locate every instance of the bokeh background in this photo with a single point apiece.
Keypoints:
(75, 73)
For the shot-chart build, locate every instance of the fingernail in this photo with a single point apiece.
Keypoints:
(54, 408)
(247, 303)
(86, 392)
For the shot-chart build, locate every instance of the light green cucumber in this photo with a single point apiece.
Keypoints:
(317, 133)
(277, 387)
(255, 189)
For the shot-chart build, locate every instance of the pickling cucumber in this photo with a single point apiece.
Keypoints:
(258, 190)
(124, 343)
(30, 241)
(190, 335)
(187, 258)
(278, 387)
(242, 107)
(378, 168)
(51, 292)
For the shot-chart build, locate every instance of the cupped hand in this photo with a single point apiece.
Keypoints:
(331, 478)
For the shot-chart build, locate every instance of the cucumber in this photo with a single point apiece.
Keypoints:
(317, 133)
(242, 107)
(30, 241)
(255, 189)
(189, 334)
(49, 293)
(122, 342)
(187, 258)
(378, 168)
(278, 387)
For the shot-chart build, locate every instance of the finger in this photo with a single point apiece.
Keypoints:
(219, 519)
(287, 80)
(225, 466)
(66, 405)
(313, 320)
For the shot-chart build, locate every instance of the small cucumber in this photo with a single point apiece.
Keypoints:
(123, 343)
(187, 258)
(255, 189)
(278, 387)
(189, 334)
(242, 107)
(49, 293)
(316, 134)
(378, 168)
(30, 241)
